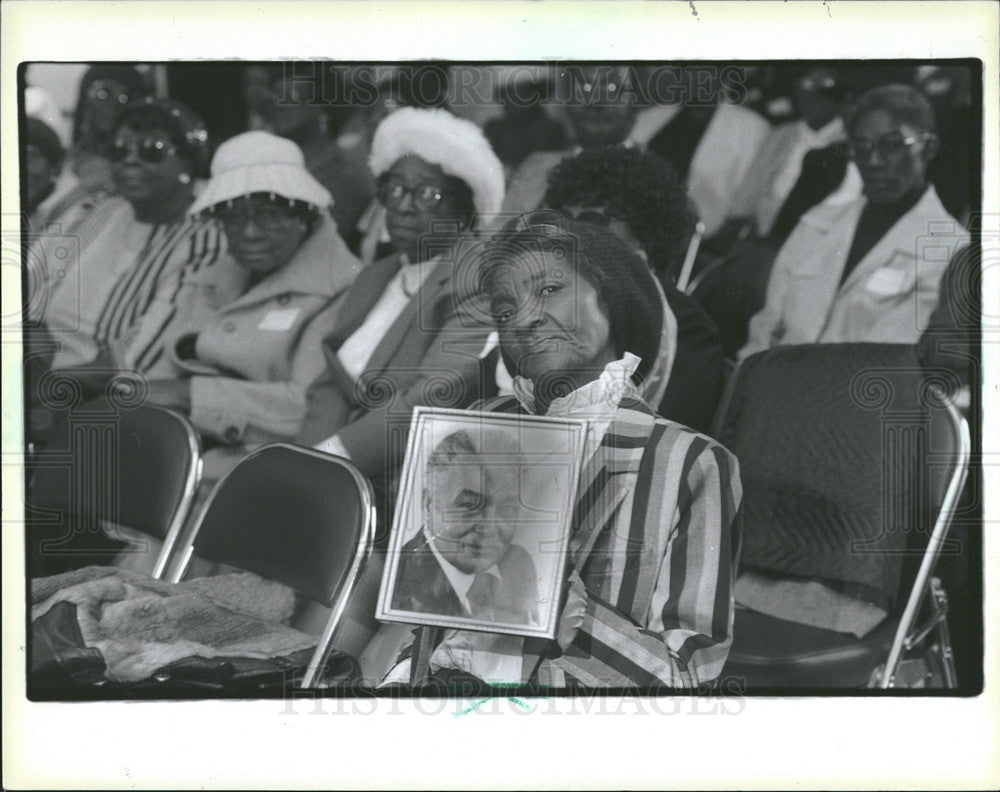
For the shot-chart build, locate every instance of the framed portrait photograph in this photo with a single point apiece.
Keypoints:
(480, 532)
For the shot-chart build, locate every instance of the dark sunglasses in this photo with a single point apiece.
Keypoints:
(150, 150)
(426, 196)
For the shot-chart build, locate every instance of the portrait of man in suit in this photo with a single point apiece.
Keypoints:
(463, 561)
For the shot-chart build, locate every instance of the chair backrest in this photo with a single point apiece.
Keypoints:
(845, 454)
(135, 466)
(289, 514)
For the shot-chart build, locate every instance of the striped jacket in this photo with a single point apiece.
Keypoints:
(92, 289)
(655, 539)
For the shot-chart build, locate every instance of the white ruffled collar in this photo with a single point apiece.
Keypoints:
(598, 397)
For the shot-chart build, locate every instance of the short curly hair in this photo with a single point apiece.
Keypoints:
(637, 187)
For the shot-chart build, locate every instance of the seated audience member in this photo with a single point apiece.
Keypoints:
(827, 172)
(464, 561)
(293, 105)
(711, 142)
(949, 346)
(710, 146)
(43, 159)
(244, 341)
(737, 261)
(595, 124)
(105, 92)
(399, 341)
(664, 617)
(42, 162)
(949, 90)
(524, 127)
(949, 352)
(778, 164)
(638, 196)
(857, 271)
(131, 246)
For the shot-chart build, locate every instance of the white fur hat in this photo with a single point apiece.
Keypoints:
(458, 146)
(259, 162)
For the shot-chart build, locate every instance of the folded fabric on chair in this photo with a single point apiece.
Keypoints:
(140, 625)
(807, 602)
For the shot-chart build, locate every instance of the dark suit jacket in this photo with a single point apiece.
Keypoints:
(429, 356)
(698, 373)
(422, 586)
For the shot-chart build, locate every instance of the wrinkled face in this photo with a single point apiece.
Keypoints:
(262, 236)
(549, 318)
(146, 166)
(471, 522)
(601, 111)
(891, 155)
(415, 194)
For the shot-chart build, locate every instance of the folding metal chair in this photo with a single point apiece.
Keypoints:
(294, 516)
(111, 465)
(852, 462)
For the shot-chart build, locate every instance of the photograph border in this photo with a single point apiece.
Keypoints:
(644, 742)
(422, 417)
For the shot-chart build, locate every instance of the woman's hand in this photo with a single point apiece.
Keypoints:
(573, 611)
(175, 394)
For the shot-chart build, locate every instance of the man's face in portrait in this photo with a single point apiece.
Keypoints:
(469, 516)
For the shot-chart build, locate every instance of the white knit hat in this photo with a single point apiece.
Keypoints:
(259, 162)
(458, 146)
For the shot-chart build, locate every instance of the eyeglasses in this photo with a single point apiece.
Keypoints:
(887, 146)
(150, 150)
(426, 196)
(267, 217)
(105, 90)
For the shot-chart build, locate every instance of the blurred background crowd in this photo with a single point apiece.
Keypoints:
(254, 239)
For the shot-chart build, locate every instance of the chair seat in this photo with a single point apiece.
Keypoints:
(768, 652)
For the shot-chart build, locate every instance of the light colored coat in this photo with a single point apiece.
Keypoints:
(887, 298)
(258, 352)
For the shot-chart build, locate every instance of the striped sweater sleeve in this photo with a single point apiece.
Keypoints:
(684, 518)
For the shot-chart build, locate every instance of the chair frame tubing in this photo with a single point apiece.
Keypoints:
(187, 499)
(922, 586)
(361, 555)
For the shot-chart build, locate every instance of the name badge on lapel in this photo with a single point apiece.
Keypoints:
(279, 321)
(887, 281)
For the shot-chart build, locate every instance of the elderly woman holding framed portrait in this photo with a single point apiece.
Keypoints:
(654, 541)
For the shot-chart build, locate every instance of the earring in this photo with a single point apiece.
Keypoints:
(184, 178)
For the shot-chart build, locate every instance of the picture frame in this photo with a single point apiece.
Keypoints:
(481, 529)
